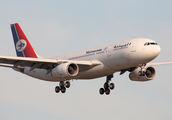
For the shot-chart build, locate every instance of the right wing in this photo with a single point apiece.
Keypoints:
(159, 63)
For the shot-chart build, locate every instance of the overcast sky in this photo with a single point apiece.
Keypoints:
(59, 26)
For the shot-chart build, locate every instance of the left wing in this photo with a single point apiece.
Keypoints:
(18, 62)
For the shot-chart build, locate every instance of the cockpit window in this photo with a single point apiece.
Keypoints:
(150, 43)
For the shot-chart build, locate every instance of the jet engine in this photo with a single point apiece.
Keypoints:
(149, 74)
(65, 70)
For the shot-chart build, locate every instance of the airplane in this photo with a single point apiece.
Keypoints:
(132, 55)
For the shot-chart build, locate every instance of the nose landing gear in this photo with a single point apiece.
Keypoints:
(142, 72)
(107, 86)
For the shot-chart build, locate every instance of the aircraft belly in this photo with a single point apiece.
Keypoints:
(99, 70)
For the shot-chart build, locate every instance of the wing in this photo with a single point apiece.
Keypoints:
(41, 63)
(159, 63)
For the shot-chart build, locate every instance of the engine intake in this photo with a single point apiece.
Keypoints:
(65, 70)
(150, 73)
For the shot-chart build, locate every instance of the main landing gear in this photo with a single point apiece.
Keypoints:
(62, 86)
(107, 86)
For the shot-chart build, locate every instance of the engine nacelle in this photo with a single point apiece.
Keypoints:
(149, 74)
(65, 70)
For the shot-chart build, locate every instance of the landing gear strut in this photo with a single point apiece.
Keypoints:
(107, 86)
(62, 86)
(142, 72)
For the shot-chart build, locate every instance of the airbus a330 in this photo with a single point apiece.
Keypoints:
(131, 55)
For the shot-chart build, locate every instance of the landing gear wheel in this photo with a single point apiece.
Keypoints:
(63, 89)
(57, 89)
(67, 84)
(112, 86)
(101, 91)
(107, 91)
(106, 86)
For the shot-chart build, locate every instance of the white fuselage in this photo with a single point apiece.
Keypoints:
(113, 58)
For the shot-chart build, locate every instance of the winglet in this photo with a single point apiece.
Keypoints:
(21, 43)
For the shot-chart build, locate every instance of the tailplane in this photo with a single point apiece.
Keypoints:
(21, 43)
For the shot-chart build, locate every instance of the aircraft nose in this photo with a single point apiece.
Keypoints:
(157, 50)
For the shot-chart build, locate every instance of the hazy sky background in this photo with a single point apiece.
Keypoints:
(58, 26)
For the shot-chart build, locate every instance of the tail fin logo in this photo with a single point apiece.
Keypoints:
(21, 45)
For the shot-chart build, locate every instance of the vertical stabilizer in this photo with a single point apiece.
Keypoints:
(21, 43)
